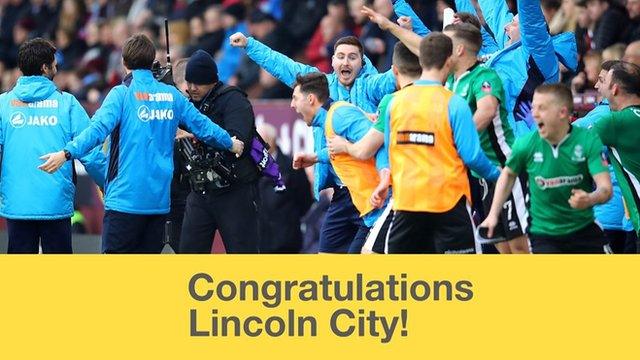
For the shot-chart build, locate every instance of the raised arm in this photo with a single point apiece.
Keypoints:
(496, 14)
(408, 37)
(401, 8)
(536, 39)
(275, 63)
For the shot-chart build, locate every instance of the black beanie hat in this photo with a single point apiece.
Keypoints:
(201, 69)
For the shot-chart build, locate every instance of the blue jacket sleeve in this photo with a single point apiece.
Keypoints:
(202, 127)
(536, 38)
(496, 14)
(401, 8)
(467, 141)
(276, 64)
(104, 121)
(94, 162)
(489, 44)
(382, 157)
(379, 85)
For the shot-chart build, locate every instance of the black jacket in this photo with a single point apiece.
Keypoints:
(232, 111)
(280, 213)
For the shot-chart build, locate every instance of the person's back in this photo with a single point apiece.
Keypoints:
(37, 118)
(138, 183)
(142, 119)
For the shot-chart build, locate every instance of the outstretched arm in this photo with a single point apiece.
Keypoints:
(275, 63)
(408, 37)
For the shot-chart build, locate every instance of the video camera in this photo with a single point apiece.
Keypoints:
(207, 168)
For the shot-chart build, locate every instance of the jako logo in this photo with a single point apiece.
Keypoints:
(145, 114)
(18, 119)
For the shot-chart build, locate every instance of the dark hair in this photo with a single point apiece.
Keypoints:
(551, 4)
(607, 65)
(435, 49)
(314, 83)
(406, 61)
(35, 53)
(468, 34)
(627, 76)
(138, 52)
(469, 18)
(560, 92)
(349, 40)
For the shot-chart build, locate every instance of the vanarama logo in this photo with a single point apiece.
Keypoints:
(143, 96)
(558, 181)
(145, 114)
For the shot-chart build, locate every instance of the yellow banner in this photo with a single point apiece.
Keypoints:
(318, 307)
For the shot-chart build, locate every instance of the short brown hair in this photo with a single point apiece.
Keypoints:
(468, 34)
(349, 40)
(138, 52)
(469, 18)
(406, 61)
(435, 49)
(560, 92)
(314, 83)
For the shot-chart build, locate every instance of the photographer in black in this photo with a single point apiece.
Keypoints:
(224, 194)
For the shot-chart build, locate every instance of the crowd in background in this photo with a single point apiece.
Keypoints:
(89, 35)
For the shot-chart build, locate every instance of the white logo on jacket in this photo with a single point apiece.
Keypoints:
(18, 120)
(145, 114)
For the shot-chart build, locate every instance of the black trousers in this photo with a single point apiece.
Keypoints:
(25, 236)
(450, 232)
(234, 213)
(124, 233)
(588, 240)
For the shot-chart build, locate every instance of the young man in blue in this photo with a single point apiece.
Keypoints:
(343, 229)
(527, 55)
(142, 116)
(36, 118)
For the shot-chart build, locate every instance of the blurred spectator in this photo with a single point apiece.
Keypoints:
(632, 53)
(300, 18)
(550, 8)
(233, 20)
(72, 15)
(613, 52)
(584, 29)
(41, 12)
(610, 22)
(633, 30)
(281, 212)
(378, 44)
(586, 79)
(334, 25)
(70, 49)
(262, 26)
(207, 32)
(566, 19)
